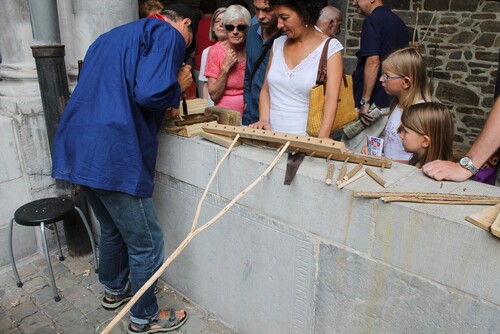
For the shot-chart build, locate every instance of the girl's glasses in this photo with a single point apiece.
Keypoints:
(388, 77)
(240, 27)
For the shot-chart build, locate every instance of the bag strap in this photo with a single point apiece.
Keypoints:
(264, 52)
(321, 77)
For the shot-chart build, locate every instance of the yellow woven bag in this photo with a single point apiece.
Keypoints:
(346, 112)
(317, 97)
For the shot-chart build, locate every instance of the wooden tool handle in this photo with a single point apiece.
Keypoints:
(353, 171)
(329, 173)
(351, 180)
(377, 178)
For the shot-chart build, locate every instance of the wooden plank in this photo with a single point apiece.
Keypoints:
(485, 218)
(221, 140)
(188, 130)
(310, 145)
(495, 227)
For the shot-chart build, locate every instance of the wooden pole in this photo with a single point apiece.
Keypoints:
(377, 178)
(186, 242)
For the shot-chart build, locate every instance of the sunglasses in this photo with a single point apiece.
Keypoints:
(240, 27)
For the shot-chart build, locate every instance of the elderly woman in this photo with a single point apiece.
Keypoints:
(227, 60)
(292, 70)
(217, 33)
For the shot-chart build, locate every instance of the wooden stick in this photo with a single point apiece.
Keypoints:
(343, 170)
(329, 173)
(216, 170)
(353, 171)
(382, 168)
(437, 201)
(414, 31)
(430, 22)
(351, 180)
(438, 196)
(186, 242)
(377, 178)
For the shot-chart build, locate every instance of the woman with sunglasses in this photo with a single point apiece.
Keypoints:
(226, 61)
(292, 69)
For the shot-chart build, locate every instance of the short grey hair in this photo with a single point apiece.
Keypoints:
(235, 13)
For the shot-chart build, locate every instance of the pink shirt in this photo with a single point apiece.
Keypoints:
(233, 94)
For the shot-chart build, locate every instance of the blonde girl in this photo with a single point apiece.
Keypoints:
(426, 132)
(404, 77)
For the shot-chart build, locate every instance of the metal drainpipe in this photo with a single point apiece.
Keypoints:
(53, 80)
(49, 58)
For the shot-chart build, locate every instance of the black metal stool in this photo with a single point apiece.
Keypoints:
(41, 213)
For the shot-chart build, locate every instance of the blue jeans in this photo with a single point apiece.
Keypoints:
(131, 247)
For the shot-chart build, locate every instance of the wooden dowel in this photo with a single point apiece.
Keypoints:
(351, 180)
(185, 243)
(329, 157)
(329, 173)
(377, 178)
(353, 171)
(382, 168)
(343, 170)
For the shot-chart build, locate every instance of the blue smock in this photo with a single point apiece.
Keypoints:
(107, 136)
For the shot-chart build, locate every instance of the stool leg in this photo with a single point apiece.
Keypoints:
(89, 232)
(11, 252)
(49, 264)
(61, 257)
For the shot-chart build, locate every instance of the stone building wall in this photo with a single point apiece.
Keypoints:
(461, 47)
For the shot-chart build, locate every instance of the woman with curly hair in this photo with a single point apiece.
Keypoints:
(292, 70)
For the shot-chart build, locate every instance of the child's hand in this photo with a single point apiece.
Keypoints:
(364, 150)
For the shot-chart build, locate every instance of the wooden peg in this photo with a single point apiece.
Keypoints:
(343, 170)
(296, 151)
(382, 168)
(329, 157)
(329, 173)
(377, 178)
(353, 171)
(313, 154)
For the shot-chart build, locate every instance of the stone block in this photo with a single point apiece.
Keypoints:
(23, 241)
(356, 294)
(262, 260)
(448, 92)
(464, 5)
(10, 168)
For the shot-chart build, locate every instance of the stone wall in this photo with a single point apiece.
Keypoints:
(461, 46)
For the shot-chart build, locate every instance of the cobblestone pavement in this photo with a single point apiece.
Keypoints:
(32, 309)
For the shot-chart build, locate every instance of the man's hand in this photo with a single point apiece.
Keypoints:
(446, 170)
(185, 78)
(364, 116)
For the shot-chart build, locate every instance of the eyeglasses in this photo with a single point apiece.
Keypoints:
(240, 27)
(388, 77)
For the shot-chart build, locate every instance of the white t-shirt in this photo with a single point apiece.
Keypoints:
(392, 141)
(202, 76)
(289, 88)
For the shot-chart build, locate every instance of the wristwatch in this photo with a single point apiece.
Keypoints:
(362, 102)
(466, 162)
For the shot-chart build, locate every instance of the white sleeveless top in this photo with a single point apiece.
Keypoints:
(289, 88)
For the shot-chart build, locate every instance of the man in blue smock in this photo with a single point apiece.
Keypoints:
(382, 32)
(107, 142)
(260, 38)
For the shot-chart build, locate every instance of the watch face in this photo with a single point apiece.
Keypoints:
(465, 161)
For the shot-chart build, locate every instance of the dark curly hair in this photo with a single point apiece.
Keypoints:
(309, 11)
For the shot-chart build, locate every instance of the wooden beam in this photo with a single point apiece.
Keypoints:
(325, 148)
